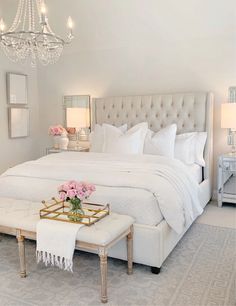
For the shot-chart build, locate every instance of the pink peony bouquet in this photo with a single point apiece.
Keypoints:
(75, 193)
(56, 130)
(75, 190)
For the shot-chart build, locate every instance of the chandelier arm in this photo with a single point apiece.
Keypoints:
(36, 34)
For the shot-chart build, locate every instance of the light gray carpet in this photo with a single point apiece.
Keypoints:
(200, 271)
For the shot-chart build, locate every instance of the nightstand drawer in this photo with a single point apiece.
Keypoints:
(229, 166)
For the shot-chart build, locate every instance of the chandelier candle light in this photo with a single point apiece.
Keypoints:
(30, 35)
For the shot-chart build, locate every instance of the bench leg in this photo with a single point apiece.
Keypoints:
(21, 246)
(130, 251)
(103, 268)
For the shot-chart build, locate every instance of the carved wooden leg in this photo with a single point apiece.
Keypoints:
(130, 251)
(21, 246)
(103, 268)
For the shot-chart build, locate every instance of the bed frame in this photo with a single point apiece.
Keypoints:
(191, 112)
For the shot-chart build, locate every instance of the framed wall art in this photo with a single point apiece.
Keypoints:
(17, 93)
(18, 122)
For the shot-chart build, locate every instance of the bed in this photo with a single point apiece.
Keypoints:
(122, 180)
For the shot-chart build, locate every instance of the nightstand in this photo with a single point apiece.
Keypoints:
(227, 179)
(76, 149)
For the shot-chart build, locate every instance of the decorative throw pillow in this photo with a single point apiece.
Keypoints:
(131, 142)
(162, 142)
(96, 137)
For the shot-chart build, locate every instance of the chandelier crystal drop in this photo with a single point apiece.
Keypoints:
(30, 35)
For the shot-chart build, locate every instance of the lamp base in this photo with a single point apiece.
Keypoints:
(232, 140)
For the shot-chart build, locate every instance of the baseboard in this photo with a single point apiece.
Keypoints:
(215, 195)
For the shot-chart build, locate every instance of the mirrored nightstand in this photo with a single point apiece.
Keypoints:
(227, 179)
(76, 149)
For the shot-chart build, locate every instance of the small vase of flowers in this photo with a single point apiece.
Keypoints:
(56, 131)
(75, 193)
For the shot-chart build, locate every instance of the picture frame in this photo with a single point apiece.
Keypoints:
(18, 122)
(17, 89)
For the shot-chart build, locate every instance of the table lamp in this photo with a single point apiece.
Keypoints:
(228, 121)
(78, 117)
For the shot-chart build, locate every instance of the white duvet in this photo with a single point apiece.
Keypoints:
(167, 181)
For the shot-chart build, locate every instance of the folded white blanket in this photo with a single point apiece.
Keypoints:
(56, 243)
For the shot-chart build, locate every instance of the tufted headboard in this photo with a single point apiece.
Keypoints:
(190, 111)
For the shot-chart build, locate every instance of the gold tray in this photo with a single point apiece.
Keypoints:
(59, 211)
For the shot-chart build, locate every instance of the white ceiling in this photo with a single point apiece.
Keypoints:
(109, 24)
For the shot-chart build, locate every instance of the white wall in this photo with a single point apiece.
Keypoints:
(132, 47)
(14, 151)
(141, 47)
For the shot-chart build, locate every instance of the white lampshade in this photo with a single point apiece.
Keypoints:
(228, 116)
(77, 117)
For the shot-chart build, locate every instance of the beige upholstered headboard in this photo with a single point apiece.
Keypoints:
(190, 111)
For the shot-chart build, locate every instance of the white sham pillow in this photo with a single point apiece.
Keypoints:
(130, 142)
(162, 142)
(185, 147)
(189, 148)
(200, 142)
(96, 137)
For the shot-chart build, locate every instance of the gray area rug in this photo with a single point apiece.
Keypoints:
(200, 271)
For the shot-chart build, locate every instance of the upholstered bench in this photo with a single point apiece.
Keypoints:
(19, 218)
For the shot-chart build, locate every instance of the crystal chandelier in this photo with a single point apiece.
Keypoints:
(31, 37)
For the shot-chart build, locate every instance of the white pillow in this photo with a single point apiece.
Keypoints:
(96, 137)
(189, 148)
(200, 141)
(185, 147)
(131, 142)
(162, 142)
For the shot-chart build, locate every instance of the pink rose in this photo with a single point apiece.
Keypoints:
(72, 193)
(62, 196)
(72, 184)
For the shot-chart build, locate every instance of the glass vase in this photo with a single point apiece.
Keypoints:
(75, 210)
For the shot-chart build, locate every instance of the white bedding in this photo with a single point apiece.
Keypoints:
(196, 172)
(146, 187)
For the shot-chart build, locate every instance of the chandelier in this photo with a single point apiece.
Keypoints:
(30, 37)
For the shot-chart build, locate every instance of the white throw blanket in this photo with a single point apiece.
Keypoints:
(56, 243)
(168, 180)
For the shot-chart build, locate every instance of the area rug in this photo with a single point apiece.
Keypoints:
(199, 272)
